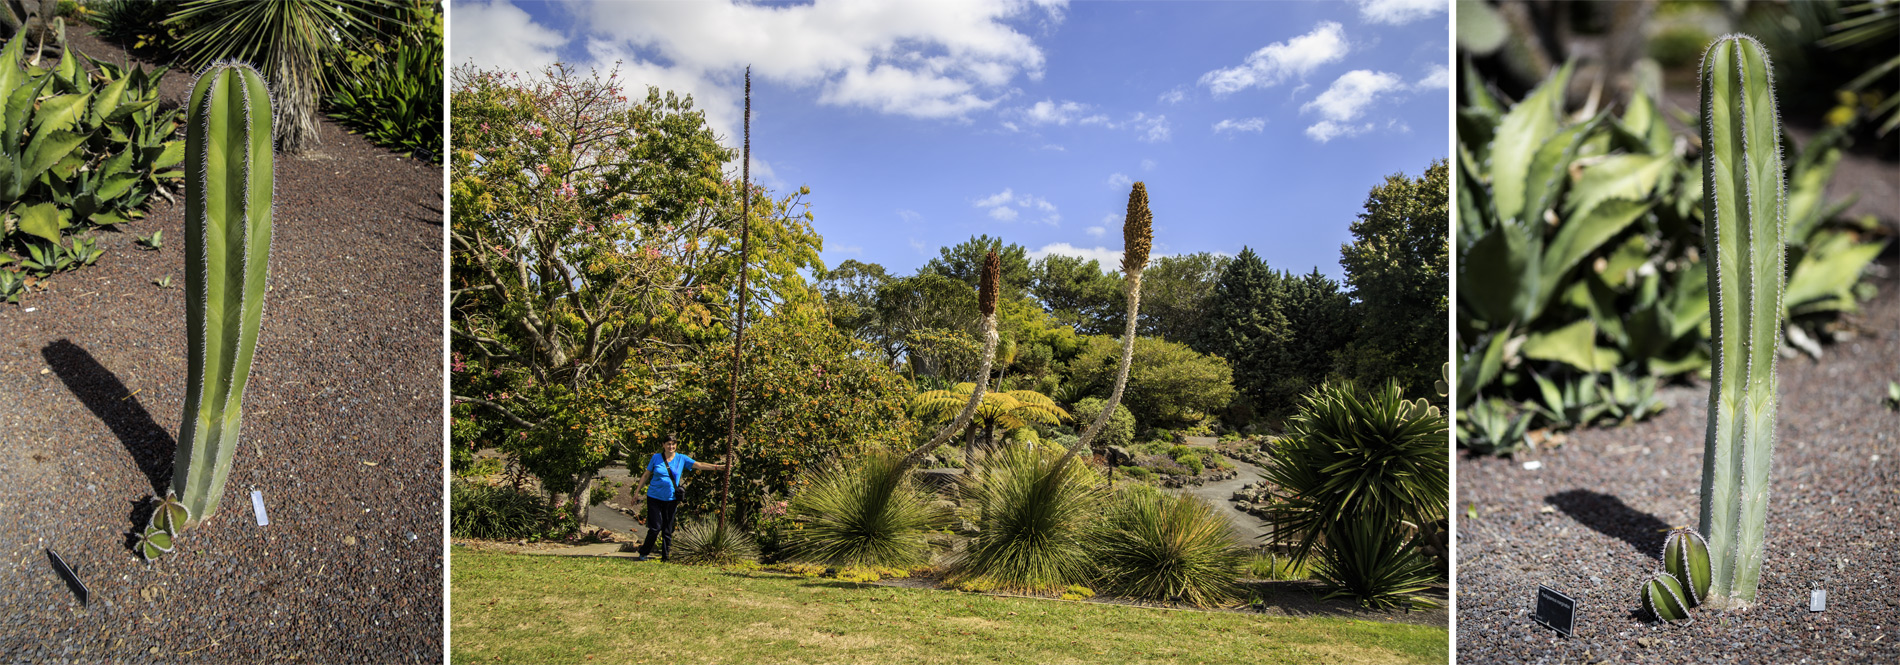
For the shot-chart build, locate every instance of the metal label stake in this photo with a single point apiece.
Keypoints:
(72, 579)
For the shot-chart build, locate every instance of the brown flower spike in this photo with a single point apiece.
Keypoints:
(986, 297)
(1137, 231)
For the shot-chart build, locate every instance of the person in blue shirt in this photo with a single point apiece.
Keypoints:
(666, 470)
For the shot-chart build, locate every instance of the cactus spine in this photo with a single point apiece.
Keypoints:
(1743, 218)
(227, 237)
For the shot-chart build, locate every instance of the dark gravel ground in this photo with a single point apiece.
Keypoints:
(342, 434)
(1590, 522)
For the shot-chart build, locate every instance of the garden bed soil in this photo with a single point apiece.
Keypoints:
(342, 433)
(1590, 522)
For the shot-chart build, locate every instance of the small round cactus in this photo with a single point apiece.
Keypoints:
(1685, 557)
(1662, 596)
(153, 543)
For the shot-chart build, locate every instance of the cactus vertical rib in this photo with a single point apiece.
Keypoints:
(227, 236)
(1743, 220)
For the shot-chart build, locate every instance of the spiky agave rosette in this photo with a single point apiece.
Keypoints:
(229, 183)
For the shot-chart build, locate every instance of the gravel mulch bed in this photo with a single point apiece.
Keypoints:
(342, 434)
(1591, 520)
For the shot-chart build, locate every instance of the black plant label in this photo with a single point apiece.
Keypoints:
(1555, 611)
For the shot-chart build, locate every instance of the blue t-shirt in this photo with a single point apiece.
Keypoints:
(662, 486)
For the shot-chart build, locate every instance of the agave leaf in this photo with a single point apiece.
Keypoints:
(1525, 129)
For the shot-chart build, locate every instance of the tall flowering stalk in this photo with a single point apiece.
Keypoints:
(986, 303)
(738, 338)
(1137, 238)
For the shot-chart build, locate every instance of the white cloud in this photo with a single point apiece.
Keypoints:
(500, 35)
(1150, 129)
(1241, 125)
(1007, 206)
(848, 249)
(1438, 78)
(1011, 126)
(1279, 61)
(909, 216)
(1119, 180)
(1399, 12)
(1047, 112)
(1147, 165)
(1097, 231)
(1109, 258)
(1351, 93)
(1174, 96)
(922, 60)
(1327, 130)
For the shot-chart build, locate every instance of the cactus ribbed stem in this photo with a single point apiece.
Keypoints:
(227, 251)
(1743, 220)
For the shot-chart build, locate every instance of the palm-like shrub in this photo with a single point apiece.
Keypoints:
(1010, 410)
(868, 513)
(1035, 514)
(1374, 563)
(1169, 548)
(1355, 461)
(705, 542)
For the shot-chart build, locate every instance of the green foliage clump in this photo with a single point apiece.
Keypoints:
(392, 92)
(868, 512)
(1354, 466)
(1077, 592)
(495, 513)
(1269, 566)
(1118, 431)
(1168, 548)
(1141, 473)
(1035, 516)
(703, 542)
(1167, 382)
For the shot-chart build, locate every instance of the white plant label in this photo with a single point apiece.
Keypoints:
(257, 506)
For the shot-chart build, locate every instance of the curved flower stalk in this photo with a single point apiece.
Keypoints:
(229, 181)
(1137, 237)
(986, 303)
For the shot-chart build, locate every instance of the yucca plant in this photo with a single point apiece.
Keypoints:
(1743, 221)
(1036, 515)
(1375, 564)
(285, 38)
(868, 513)
(229, 183)
(706, 542)
(1168, 548)
(1354, 463)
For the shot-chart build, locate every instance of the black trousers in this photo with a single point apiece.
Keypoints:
(660, 514)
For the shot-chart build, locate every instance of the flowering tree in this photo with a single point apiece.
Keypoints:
(589, 235)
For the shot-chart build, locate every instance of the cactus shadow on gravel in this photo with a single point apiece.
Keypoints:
(1611, 517)
(150, 446)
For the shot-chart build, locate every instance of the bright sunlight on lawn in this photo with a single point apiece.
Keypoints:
(550, 609)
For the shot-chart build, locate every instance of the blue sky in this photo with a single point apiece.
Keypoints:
(920, 124)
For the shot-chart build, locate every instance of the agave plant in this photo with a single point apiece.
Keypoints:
(1378, 566)
(1168, 548)
(869, 513)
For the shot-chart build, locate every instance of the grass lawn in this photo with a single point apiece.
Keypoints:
(552, 609)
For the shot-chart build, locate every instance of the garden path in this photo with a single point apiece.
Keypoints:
(1220, 494)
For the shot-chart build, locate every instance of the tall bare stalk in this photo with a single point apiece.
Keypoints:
(738, 337)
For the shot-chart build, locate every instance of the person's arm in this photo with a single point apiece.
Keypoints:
(645, 476)
(697, 465)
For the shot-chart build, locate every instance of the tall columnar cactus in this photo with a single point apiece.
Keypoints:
(1137, 238)
(227, 246)
(986, 304)
(1743, 220)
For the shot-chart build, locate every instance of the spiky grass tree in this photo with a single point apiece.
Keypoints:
(1037, 515)
(1137, 238)
(1744, 208)
(869, 513)
(705, 542)
(1168, 548)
